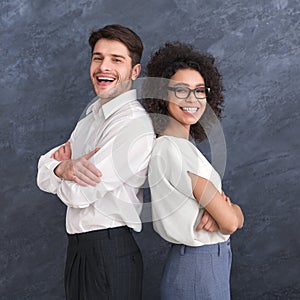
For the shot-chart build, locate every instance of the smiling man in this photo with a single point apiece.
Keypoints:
(98, 174)
(112, 68)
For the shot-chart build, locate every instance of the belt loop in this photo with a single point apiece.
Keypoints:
(108, 233)
(182, 249)
(219, 249)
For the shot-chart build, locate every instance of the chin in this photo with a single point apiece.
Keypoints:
(111, 93)
(193, 121)
(104, 92)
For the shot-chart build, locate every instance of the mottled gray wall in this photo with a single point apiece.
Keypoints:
(44, 81)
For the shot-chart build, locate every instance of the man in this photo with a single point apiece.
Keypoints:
(99, 171)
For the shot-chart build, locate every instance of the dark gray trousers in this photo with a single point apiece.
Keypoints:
(103, 264)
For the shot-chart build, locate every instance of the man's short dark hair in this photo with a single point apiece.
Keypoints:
(122, 34)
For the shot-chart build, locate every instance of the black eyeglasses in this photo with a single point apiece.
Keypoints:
(182, 92)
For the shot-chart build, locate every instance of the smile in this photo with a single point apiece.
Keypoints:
(105, 79)
(190, 109)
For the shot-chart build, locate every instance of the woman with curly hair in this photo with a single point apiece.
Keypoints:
(183, 86)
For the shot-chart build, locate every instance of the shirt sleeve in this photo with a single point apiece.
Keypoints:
(122, 160)
(201, 166)
(46, 179)
(184, 158)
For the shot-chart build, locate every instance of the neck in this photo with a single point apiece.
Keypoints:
(176, 129)
(116, 91)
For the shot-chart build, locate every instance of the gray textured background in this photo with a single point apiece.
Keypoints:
(44, 60)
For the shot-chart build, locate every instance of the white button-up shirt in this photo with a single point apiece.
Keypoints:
(123, 131)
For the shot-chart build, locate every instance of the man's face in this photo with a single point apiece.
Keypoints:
(111, 71)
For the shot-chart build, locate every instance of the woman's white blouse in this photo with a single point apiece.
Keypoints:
(175, 211)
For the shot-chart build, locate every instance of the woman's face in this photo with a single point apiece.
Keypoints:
(186, 111)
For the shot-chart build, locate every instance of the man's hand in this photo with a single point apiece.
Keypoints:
(63, 152)
(207, 223)
(79, 170)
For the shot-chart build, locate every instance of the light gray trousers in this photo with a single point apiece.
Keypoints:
(197, 273)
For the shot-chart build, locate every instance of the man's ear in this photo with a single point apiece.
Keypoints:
(136, 71)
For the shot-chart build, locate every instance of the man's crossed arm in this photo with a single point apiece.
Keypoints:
(80, 170)
(84, 173)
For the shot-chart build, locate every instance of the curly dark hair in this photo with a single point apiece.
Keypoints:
(164, 63)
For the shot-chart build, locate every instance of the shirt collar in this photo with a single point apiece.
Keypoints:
(113, 105)
(116, 103)
(93, 105)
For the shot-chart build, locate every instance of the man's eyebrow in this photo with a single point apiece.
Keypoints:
(96, 53)
(118, 55)
(113, 55)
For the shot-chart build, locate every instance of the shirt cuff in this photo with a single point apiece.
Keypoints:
(54, 180)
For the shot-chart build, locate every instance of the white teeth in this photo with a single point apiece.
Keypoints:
(189, 109)
(105, 79)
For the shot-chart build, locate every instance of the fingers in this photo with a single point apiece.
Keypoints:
(90, 154)
(67, 149)
(199, 227)
(57, 154)
(63, 152)
(86, 177)
(226, 198)
(211, 226)
(80, 170)
(202, 222)
(228, 201)
(207, 223)
(86, 172)
(80, 182)
(223, 195)
(90, 170)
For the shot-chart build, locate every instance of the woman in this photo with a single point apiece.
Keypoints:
(183, 183)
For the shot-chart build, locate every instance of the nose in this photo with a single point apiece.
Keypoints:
(191, 98)
(105, 65)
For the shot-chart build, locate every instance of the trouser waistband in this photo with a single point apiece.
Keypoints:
(100, 234)
(213, 248)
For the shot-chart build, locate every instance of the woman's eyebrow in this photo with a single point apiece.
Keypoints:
(181, 84)
(185, 84)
